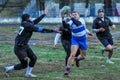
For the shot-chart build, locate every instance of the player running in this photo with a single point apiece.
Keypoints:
(21, 48)
(79, 39)
(101, 28)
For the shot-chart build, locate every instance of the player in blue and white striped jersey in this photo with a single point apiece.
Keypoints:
(79, 38)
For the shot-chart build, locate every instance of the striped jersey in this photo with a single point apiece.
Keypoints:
(78, 32)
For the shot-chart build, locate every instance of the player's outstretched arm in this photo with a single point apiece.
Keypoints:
(36, 21)
(44, 30)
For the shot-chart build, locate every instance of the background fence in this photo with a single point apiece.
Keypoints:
(55, 8)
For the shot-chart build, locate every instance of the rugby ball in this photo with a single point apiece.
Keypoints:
(65, 9)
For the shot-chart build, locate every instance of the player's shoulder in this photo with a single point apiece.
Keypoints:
(96, 19)
(107, 18)
(26, 23)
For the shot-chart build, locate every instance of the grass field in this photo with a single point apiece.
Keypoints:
(50, 62)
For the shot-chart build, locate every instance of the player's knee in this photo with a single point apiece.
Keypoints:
(34, 58)
(109, 47)
(25, 63)
(24, 66)
(72, 56)
(83, 56)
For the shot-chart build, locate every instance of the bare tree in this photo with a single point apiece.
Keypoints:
(108, 7)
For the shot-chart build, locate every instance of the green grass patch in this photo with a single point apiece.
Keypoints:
(51, 62)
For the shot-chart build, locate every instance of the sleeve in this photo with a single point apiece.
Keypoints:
(83, 21)
(66, 25)
(87, 31)
(70, 22)
(43, 30)
(76, 22)
(57, 37)
(94, 28)
(36, 21)
(110, 22)
(30, 27)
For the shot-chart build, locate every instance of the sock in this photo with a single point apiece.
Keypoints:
(29, 70)
(108, 59)
(10, 68)
(77, 59)
(67, 70)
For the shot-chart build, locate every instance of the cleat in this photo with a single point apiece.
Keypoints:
(6, 70)
(30, 75)
(109, 62)
(65, 73)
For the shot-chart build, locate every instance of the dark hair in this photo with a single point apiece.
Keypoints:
(75, 12)
(25, 17)
(100, 10)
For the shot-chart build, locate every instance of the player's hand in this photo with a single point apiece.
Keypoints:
(70, 15)
(57, 31)
(101, 29)
(55, 46)
(46, 10)
(90, 34)
(113, 26)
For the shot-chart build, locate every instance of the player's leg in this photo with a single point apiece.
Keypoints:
(80, 57)
(76, 57)
(78, 52)
(67, 47)
(74, 49)
(110, 50)
(108, 47)
(22, 56)
(83, 47)
(31, 64)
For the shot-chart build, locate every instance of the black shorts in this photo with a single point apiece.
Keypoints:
(106, 42)
(23, 52)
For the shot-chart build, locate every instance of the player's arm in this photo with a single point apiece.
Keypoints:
(43, 30)
(94, 29)
(56, 39)
(36, 21)
(76, 22)
(64, 23)
(111, 24)
(88, 32)
(32, 28)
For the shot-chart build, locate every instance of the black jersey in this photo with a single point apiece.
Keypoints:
(26, 30)
(66, 33)
(98, 23)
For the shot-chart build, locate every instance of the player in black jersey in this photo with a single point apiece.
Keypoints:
(101, 27)
(21, 47)
(65, 37)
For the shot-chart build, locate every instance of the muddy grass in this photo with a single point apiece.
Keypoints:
(50, 63)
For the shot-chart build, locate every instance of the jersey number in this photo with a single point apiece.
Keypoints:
(21, 30)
